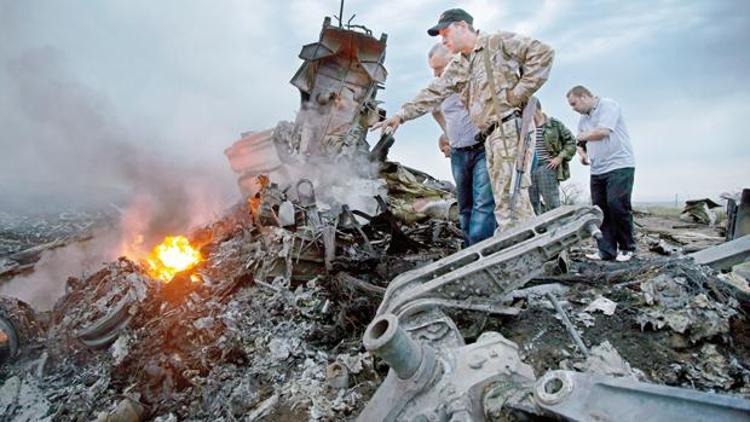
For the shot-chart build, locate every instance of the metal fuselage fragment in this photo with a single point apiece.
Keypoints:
(338, 80)
(436, 376)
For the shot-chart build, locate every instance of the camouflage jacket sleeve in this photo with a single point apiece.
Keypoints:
(535, 59)
(452, 79)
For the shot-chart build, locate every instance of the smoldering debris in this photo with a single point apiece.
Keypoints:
(254, 336)
(260, 331)
(668, 312)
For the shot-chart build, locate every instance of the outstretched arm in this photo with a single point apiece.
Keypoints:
(428, 98)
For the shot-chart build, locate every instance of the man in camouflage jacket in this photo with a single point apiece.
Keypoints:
(519, 66)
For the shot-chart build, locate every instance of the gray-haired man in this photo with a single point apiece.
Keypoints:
(468, 162)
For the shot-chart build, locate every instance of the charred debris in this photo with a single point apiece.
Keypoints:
(337, 289)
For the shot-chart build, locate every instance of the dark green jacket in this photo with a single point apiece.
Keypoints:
(560, 142)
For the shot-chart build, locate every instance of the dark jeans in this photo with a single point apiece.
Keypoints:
(611, 192)
(476, 206)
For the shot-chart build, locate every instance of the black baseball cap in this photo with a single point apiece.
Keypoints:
(448, 17)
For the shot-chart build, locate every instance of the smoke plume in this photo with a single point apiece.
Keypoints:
(64, 146)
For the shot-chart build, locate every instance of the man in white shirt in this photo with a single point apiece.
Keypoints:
(610, 153)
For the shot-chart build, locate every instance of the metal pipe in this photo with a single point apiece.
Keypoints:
(385, 339)
(341, 14)
(568, 325)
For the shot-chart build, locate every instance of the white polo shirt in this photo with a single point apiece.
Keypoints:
(614, 151)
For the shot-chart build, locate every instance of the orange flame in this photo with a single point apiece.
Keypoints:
(173, 255)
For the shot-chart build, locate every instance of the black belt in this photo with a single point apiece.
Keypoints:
(482, 136)
(472, 147)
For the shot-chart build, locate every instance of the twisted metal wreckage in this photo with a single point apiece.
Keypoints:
(434, 374)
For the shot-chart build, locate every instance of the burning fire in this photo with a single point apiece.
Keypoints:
(173, 255)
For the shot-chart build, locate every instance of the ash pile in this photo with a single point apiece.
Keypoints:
(333, 244)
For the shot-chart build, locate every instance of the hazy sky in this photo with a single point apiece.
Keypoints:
(82, 82)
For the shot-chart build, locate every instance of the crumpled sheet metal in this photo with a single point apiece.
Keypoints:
(336, 111)
(273, 327)
(415, 196)
(713, 369)
(95, 317)
(604, 359)
(673, 305)
(700, 211)
(602, 304)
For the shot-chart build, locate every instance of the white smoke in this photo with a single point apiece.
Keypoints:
(70, 149)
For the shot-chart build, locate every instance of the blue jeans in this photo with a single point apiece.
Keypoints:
(476, 206)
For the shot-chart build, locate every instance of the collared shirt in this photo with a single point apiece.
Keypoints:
(520, 64)
(458, 125)
(613, 151)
